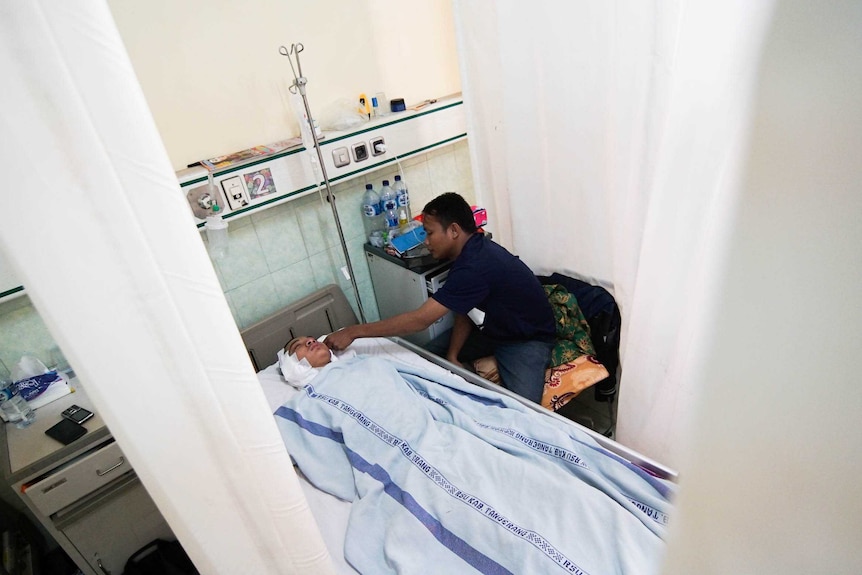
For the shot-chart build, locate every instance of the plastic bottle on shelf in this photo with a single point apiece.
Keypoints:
(403, 219)
(392, 226)
(388, 200)
(372, 217)
(14, 407)
(402, 196)
(217, 235)
(389, 205)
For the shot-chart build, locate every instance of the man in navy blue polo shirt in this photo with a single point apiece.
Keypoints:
(499, 305)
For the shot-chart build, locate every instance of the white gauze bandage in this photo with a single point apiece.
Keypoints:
(298, 372)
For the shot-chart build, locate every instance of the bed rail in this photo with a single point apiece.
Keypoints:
(631, 455)
(327, 310)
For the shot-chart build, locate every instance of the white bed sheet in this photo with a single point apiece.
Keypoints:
(330, 512)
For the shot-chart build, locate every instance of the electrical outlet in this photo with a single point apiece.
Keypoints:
(360, 151)
(375, 151)
(235, 192)
(340, 157)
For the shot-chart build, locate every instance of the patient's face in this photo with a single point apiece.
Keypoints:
(315, 352)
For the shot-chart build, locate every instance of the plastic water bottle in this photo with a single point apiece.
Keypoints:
(402, 197)
(14, 407)
(372, 218)
(392, 223)
(388, 200)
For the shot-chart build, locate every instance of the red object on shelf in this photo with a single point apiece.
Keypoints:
(480, 216)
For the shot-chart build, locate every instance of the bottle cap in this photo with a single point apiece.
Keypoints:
(385, 182)
(397, 178)
(368, 186)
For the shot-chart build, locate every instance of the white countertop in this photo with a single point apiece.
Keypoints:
(29, 445)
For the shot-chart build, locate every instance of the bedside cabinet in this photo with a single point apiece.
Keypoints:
(86, 494)
(399, 288)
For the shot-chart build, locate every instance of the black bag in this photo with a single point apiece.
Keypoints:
(160, 557)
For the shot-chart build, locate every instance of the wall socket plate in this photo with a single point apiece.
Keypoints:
(235, 192)
(374, 142)
(340, 157)
(360, 151)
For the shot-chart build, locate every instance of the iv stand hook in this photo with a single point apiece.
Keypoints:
(299, 80)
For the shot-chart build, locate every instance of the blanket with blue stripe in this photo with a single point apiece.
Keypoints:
(447, 477)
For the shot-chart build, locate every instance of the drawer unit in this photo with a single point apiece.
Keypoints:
(71, 482)
(86, 495)
(399, 288)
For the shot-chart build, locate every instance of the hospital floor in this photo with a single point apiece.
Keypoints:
(584, 409)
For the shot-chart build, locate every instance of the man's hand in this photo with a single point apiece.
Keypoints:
(401, 324)
(340, 339)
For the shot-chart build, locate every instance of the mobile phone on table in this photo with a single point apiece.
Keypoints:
(77, 414)
(66, 431)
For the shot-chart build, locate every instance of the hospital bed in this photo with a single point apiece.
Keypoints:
(327, 310)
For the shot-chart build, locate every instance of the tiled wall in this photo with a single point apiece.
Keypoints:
(284, 253)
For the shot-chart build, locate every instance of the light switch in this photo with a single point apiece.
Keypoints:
(340, 157)
(235, 192)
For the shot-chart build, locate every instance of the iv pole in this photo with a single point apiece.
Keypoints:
(299, 82)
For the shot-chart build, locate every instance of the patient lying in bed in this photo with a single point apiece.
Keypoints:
(303, 356)
(448, 477)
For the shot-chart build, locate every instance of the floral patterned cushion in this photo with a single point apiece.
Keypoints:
(574, 366)
(562, 383)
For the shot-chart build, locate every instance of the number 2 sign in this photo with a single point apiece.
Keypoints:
(259, 183)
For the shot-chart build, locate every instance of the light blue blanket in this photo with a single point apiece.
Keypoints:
(447, 477)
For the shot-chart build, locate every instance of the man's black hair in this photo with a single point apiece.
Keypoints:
(451, 208)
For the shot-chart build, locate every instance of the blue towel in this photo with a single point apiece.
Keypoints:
(447, 477)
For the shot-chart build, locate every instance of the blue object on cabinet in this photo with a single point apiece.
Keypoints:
(409, 240)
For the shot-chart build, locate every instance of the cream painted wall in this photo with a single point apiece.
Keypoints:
(215, 83)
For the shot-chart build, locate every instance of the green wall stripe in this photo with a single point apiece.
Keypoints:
(324, 142)
(368, 168)
(11, 291)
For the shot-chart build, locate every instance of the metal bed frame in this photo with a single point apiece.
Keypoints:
(327, 310)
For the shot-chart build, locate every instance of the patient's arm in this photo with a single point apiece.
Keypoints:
(402, 324)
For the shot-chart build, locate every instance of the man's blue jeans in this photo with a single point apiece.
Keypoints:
(521, 364)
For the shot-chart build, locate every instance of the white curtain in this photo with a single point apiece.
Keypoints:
(607, 139)
(101, 236)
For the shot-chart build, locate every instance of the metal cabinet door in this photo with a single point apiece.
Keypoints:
(108, 527)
